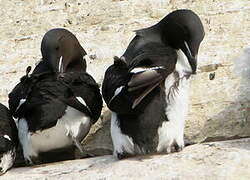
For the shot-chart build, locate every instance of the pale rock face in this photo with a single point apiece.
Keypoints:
(219, 108)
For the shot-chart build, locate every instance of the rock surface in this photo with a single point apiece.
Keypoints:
(219, 108)
(220, 160)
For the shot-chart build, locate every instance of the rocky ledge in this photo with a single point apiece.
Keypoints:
(216, 160)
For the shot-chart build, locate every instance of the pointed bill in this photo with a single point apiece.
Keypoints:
(191, 58)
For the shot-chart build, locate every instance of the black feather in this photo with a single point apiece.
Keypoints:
(48, 95)
(7, 127)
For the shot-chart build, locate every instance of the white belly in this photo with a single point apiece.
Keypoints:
(172, 131)
(74, 124)
(50, 139)
(121, 142)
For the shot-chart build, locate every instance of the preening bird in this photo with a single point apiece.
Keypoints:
(57, 103)
(147, 87)
(61, 49)
(8, 139)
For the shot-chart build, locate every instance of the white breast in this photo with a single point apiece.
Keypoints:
(7, 160)
(121, 142)
(172, 131)
(73, 124)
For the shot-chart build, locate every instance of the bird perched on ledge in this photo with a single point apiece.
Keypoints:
(8, 139)
(57, 103)
(147, 87)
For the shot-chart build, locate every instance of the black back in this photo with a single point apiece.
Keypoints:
(47, 96)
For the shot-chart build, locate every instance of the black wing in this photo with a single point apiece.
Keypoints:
(44, 101)
(127, 83)
(85, 95)
(20, 91)
(114, 89)
(47, 96)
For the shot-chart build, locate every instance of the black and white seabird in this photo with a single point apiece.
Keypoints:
(61, 46)
(147, 87)
(8, 139)
(57, 103)
(54, 111)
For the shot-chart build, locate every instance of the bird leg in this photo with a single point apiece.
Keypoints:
(80, 148)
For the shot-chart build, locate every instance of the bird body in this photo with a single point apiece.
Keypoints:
(73, 125)
(54, 111)
(58, 102)
(147, 87)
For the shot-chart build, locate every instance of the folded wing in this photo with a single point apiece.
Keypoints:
(127, 83)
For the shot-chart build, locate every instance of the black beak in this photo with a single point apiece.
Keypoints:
(191, 58)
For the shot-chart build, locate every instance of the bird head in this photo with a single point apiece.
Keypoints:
(62, 51)
(183, 29)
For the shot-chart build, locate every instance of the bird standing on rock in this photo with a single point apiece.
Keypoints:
(147, 87)
(8, 139)
(57, 103)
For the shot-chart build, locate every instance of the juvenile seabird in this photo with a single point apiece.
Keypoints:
(147, 87)
(8, 139)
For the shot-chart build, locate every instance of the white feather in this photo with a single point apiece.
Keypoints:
(122, 143)
(24, 138)
(182, 66)
(8, 160)
(60, 67)
(20, 103)
(117, 91)
(142, 69)
(186, 44)
(74, 124)
(7, 137)
(172, 131)
(81, 101)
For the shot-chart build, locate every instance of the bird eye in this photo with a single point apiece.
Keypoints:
(57, 48)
